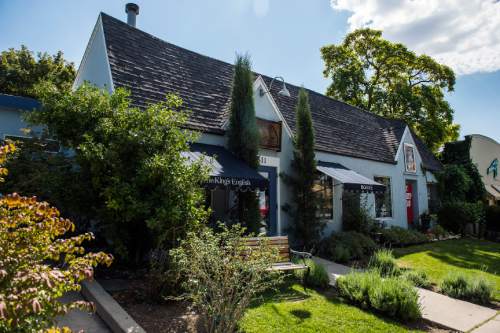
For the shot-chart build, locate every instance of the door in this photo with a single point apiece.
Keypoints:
(409, 203)
(268, 200)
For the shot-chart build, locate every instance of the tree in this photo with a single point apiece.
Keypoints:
(243, 137)
(38, 265)
(20, 71)
(149, 194)
(387, 79)
(306, 226)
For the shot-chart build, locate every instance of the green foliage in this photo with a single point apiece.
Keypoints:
(492, 216)
(475, 289)
(306, 227)
(355, 216)
(438, 231)
(243, 136)
(392, 296)
(417, 277)
(223, 274)
(147, 193)
(397, 236)
(38, 264)
(317, 277)
(346, 246)
(386, 78)
(454, 183)
(454, 216)
(384, 263)
(20, 71)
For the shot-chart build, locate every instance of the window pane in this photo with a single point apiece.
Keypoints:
(323, 187)
(383, 203)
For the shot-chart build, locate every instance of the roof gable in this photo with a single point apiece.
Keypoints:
(150, 68)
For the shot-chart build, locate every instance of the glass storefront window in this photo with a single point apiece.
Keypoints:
(323, 186)
(383, 201)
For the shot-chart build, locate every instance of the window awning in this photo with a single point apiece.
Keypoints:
(494, 191)
(226, 171)
(351, 180)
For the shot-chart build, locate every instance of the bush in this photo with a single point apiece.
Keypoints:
(384, 262)
(397, 236)
(355, 217)
(454, 216)
(417, 277)
(38, 265)
(392, 296)
(222, 274)
(492, 215)
(317, 277)
(439, 232)
(475, 289)
(346, 246)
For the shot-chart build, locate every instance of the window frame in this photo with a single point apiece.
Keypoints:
(391, 198)
(320, 210)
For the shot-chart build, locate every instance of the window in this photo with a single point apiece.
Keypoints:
(270, 134)
(323, 187)
(432, 198)
(383, 201)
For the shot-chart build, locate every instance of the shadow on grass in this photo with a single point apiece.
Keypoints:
(468, 254)
(284, 293)
(301, 314)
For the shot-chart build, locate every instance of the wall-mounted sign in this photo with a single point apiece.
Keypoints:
(493, 168)
(410, 162)
(270, 134)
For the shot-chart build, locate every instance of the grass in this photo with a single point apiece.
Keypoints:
(293, 310)
(471, 257)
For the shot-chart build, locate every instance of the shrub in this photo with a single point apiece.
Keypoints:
(38, 265)
(439, 232)
(454, 216)
(395, 236)
(384, 262)
(393, 296)
(492, 216)
(459, 285)
(317, 277)
(355, 216)
(346, 246)
(396, 298)
(417, 277)
(222, 275)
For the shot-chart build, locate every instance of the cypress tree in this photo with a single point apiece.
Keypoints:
(306, 227)
(243, 137)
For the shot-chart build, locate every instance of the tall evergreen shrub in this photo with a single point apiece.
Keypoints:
(243, 137)
(306, 227)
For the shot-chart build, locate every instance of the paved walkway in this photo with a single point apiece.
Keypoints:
(443, 310)
(78, 320)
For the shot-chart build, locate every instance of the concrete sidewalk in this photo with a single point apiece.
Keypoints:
(78, 320)
(443, 310)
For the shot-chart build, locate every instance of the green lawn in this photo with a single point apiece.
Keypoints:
(470, 256)
(293, 310)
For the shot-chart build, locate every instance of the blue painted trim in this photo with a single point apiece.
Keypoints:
(18, 102)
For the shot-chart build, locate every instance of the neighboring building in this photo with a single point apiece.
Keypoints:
(357, 151)
(12, 125)
(485, 154)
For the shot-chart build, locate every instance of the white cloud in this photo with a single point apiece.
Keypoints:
(464, 34)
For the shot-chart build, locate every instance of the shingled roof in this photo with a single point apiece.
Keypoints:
(150, 68)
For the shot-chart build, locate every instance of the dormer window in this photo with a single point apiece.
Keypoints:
(270, 134)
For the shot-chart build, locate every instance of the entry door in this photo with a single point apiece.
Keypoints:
(409, 202)
(268, 200)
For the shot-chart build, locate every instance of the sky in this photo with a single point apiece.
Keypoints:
(284, 37)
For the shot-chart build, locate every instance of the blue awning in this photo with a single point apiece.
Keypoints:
(351, 180)
(226, 171)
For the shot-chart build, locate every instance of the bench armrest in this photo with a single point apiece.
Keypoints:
(303, 255)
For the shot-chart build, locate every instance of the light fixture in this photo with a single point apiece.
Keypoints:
(283, 92)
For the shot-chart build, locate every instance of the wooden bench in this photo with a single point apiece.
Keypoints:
(284, 262)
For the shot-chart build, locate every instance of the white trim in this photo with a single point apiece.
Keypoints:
(392, 200)
(112, 88)
(396, 157)
(259, 82)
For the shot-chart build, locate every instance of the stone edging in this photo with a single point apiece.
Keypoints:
(118, 320)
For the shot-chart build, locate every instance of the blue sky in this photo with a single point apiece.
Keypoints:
(283, 37)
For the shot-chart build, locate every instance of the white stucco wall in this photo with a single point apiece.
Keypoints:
(483, 151)
(11, 123)
(94, 67)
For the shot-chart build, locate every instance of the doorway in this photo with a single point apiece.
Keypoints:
(411, 203)
(268, 200)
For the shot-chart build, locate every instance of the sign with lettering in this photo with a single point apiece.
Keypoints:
(493, 168)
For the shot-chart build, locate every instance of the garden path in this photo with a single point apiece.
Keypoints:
(443, 310)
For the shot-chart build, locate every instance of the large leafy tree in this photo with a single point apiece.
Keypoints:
(243, 136)
(390, 80)
(148, 194)
(306, 226)
(20, 71)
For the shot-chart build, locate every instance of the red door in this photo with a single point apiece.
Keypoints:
(409, 203)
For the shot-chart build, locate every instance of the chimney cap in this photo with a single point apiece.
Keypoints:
(132, 7)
